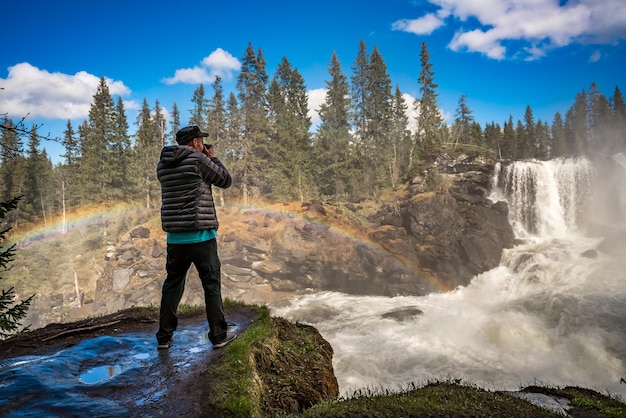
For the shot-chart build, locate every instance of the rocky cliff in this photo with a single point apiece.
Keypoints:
(433, 236)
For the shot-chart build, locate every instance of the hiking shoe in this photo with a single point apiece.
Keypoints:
(164, 345)
(229, 337)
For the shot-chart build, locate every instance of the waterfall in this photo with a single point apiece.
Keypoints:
(546, 198)
(552, 313)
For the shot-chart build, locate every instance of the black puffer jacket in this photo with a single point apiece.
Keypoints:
(186, 177)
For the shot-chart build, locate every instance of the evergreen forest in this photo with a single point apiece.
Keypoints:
(364, 143)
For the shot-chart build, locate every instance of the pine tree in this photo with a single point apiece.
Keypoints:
(600, 116)
(70, 143)
(37, 176)
(542, 135)
(121, 184)
(11, 311)
(216, 114)
(11, 170)
(508, 147)
(158, 120)
(332, 147)
(231, 149)
(252, 87)
(429, 120)
(577, 125)
(376, 146)
(528, 144)
(400, 139)
(358, 93)
(291, 143)
(174, 125)
(618, 121)
(67, 178)
(521, 150)
(148, 144)
(493, 138)
(234, 131)
(476, 135)
(558, 148)
(198, 112)
(462, 122)
(95, 167)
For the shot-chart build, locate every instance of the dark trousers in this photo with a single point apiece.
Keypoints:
(179, 258)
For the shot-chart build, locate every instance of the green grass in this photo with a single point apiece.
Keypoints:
(234, 390)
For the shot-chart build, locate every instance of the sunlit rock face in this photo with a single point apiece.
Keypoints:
(425, 242)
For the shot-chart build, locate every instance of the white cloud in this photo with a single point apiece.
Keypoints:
(488, 25)
(28, 90)
(411, 112)
(219, 63)
(424, 25)
(316, 98)
(595, 57)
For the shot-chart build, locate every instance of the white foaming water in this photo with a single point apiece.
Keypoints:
(552, 313)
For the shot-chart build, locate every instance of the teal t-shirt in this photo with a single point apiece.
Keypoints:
(192, 237)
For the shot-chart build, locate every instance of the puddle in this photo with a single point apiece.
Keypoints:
(99, 376)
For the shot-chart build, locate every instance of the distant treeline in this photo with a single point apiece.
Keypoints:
(365, 141)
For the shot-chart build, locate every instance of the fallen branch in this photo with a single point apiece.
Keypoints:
(79, 330)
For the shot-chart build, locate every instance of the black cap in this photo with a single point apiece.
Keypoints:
(188, 133)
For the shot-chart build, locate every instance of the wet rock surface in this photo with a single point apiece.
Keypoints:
(109, 366)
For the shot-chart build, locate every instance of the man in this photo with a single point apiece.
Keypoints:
(186, 172)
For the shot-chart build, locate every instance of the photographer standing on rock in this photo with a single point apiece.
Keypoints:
(186, 172)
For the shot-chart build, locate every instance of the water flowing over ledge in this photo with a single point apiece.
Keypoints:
(551, 313)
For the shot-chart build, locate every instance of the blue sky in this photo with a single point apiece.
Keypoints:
(502, 54)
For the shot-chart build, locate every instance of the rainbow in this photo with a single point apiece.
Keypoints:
(78, 218)
(358, 238)
(90, 214)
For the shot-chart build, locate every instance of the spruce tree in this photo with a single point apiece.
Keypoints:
(618, 121)
(493, 138)
(542, 135)
(12, 312)
(198, 112)
(174, 125)
(216, 114)
(148, 144)
(67, 178)
(600, 117)
(399, 149)
(462, 122)
(558, 143)
(121, 180)
(508, 148)
(528, 143)
(358, 93)
(577, 125)
(332, 146)
(95, 174)
(231, 149)
(70, 143)
(38, 175)
(476, 135)
(429, 118)
(376, 147)
(291, 142)
(252, 87)
(11, 170)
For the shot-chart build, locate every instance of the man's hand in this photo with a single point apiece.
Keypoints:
(209, 150)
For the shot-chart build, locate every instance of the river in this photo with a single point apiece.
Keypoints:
(552, 313)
